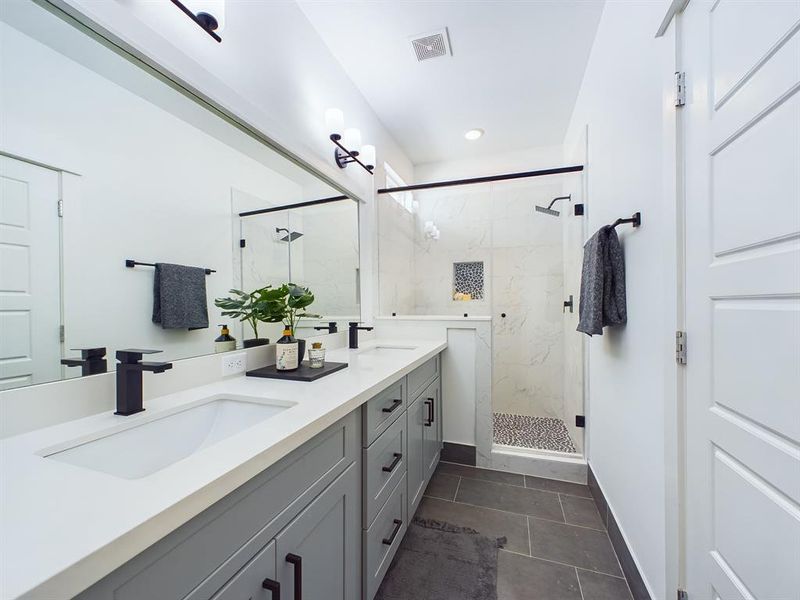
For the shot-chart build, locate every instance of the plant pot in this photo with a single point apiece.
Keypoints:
(252, 343)
(301, 350)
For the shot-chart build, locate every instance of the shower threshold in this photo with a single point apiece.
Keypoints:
(540, 433)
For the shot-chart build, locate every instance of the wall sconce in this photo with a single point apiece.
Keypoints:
(348, 142)
(431, 231)
(207, 14)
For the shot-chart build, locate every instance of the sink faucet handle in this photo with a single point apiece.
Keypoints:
(131, 356)
(90, 353)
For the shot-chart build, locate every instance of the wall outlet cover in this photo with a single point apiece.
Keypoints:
(233, 364)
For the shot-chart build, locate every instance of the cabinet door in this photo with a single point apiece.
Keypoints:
(256, 580)
(319, 552)
(431, 430)
(417, 414)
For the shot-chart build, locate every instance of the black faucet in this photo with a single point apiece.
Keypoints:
(331, 327)
(129, 379)
(91, 362)
(354, 328)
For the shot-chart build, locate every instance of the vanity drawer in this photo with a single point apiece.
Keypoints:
(382, 410)
(383, 538)
(212, 547)
(384, 465)
(420, 377)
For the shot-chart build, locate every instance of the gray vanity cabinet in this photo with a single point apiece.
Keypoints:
(417, 413)
(250, 582)
(320, 548)
(424, 440)
(308, 504)
(431, 427)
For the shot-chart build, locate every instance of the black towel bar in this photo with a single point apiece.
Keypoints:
(133, 263)
(635, 220)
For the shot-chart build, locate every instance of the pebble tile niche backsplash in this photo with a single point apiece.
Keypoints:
(468, 281)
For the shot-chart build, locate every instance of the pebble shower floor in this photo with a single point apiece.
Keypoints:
(542, 433)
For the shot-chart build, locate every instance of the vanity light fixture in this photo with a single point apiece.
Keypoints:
(474, 134)
(206, 13)
(348, 142)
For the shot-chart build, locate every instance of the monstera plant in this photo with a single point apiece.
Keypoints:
(264, 305)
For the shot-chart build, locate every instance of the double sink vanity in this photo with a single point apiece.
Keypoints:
(244, 488)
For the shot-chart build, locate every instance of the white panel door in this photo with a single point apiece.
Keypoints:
(30, 310)
(742, 159)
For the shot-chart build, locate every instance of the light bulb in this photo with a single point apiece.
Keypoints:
(352, 140)
(368, 155)
(473, 134)
(334, 122)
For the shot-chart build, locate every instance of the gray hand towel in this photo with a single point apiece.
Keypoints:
(179, 297)
(602, 300)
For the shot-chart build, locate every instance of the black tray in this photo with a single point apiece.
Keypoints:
(303, 372)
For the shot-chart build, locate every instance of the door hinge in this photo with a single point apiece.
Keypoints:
(61, 334)
(680, 347)
(242, 243)
(683, 595)
(680, 88)
(60, 208)
(580, 420)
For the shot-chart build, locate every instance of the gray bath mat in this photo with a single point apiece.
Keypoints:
(439, 561)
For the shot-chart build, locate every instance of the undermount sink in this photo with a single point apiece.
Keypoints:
(386, 349)
(136, 450)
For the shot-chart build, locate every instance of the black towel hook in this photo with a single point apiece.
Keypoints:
(635, 220)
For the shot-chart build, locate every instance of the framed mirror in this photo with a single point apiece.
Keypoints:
(108, 169)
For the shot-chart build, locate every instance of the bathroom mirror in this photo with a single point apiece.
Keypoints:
(107, 168)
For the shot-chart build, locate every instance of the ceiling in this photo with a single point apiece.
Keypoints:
(515, 69)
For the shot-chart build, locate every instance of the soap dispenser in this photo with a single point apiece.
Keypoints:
(225, 342)
(287, 352)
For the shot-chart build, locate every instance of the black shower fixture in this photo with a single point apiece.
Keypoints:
(290, 236)
(549, 209)
(206, 21)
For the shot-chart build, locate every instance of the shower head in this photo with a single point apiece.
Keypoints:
(290, 236)
(548, 210)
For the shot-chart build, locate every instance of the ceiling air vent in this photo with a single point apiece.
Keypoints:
(430, 45)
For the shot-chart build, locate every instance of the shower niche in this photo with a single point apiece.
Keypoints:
(498, 255)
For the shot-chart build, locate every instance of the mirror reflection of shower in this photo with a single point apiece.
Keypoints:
(290, 235)
(549, 209)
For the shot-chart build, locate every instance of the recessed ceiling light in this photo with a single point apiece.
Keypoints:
(474, 134)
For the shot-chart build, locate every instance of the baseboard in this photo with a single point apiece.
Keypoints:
(462, 454)
(629, 568)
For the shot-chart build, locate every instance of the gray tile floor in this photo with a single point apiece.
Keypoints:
(557, 548)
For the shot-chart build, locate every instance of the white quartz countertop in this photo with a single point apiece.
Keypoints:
(64, 527)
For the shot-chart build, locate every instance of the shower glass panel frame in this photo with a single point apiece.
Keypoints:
(531, 264)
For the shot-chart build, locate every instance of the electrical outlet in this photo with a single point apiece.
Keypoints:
(233, 364)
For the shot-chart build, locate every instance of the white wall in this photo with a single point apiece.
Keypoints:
(622, 101)
(530, 159)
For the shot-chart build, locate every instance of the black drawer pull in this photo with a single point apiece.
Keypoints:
(397, 458)
(429, 403)
(395, 405)
(273, 586)
(390, 540)
(297, 563)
